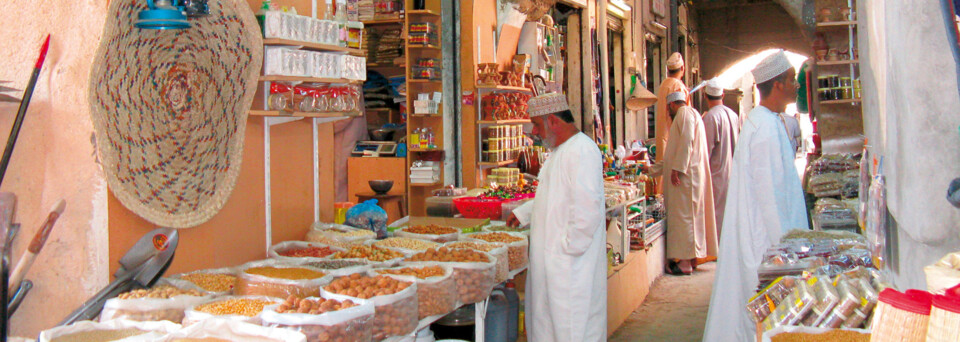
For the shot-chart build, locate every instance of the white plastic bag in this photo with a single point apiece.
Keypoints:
(943, 274)
(396, 314)
(150, 309)
(259, 285)
(496, 249)
(153, 330)
(518, 251)
(436, 296)
(230, 330)
(351, 324)
(192, 280)
(276, 251)
(192, 315)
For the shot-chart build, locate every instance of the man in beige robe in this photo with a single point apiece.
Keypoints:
(688, 193)
(722, 127)
(672, 84)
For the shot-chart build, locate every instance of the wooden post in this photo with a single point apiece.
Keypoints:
(574, 69)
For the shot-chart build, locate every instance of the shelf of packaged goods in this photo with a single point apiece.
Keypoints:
(281, 78)
(498, 164)
(422, 12)
(844, 62)
(423, 47)
(502, 87)
(834, 24)
(382, 22)
(846, 101)
(503, 122)
(426, 184)
(276, 113)
(311, 46)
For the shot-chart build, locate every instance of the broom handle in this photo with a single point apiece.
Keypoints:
(27, 94)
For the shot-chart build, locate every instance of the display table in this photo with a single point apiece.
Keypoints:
(629, 283)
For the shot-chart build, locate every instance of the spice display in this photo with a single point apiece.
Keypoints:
(506, 229)
(496, 250)
(213, 282)
(313, 251)
(372, 253)
(366, 287)
(395, 300)
(320, 237)
(516, 244)
(830, 336)
(336, 232)
(267, 278)
(159, 292)
(430, 229)
(234, 306)
(292, 273)
(473, 271)
(99, 335)
(406, 243)
(430, 232)
(334, 264)
(444, 254)
(436, 288)
(511, 192)
(498, 237)
(323, 319)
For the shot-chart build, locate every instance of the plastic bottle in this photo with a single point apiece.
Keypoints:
(513, 312)
(495, 324)
(415, 138)
(431, 141)
(342, 21)
(262, 15)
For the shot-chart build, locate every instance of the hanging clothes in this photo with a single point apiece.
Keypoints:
(764, 201)
(566, 297)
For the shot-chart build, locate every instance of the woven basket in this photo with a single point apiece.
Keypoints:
(944, 323)
(901, 317)
(170, 108)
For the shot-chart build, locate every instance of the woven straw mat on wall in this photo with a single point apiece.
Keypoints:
(170, 108)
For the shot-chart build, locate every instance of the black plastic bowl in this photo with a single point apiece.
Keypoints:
(381, 186)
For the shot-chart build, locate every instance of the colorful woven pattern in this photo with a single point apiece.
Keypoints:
(170, 109)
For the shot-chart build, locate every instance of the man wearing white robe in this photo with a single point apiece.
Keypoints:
(687, 190)
(764, 201)
(722, 127)
(566, 297)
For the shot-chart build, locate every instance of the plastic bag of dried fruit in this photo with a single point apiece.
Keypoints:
(350, 324)
(517, 245)
(396, 313)
(433, 233)
(115, 330)
(217, 281)
(338, 235)
(160, 303)
(436, 294)
(277, 278)
(302, 250)
(234, 308)
(496, 249)
(229, 330)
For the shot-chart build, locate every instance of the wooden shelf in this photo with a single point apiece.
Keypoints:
(281, 78)
(837, 23)
(503, 163)
(503, 122)
(425, 150)
(383, 65)
(426, 184)
(438, 115)
(255, 112)
(311, 46)
(843, 62)
(847, 101)
(502, 87)
(424, 47)
(423, 81)
(382, 22)
(379, 109)
(423, 12)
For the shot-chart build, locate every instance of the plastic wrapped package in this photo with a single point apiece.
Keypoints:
(274, 278)
(369, 216)
(338, 235)
(396, 312)
(120, 330)
(495, 249)
(161, 303)
(877, 220)
(431, 232)
(219, 281)
(849, 301)
(762, 304)
(229, 330)
(852, 258)
(375, 256)
(344, 325)
(301, 250)
(517, 246)
(827, 299)
(236, 308)
(792, 308)
(436, 287)
(868, 301)
(768, 271)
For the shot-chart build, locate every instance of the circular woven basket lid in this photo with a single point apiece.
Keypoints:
(170, 106)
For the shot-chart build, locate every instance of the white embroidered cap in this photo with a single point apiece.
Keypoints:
(713, 88)
(675, 61)
(771, 66)
(547, 104)
(676, 96)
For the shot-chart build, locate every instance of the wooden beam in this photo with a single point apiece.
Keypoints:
(574, 69)
(586, 46)
(619, 105)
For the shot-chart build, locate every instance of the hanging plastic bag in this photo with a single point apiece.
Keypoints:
(368, 215)
(877, 218)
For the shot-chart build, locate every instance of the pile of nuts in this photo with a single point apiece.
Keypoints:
(498, 237)
(435, 297)
(431, 229)
(366, 287)
(444, 254)
(483, 247)
(328, 240)
(334, 264)
(503, 259)
(394, 319)
(234, 306)
(213, 282)
(310, 251)
(159, 292)
(406, 243)
(419, 272)
(290, 273)
(372, 253)
(518, 254)
(293, 304)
